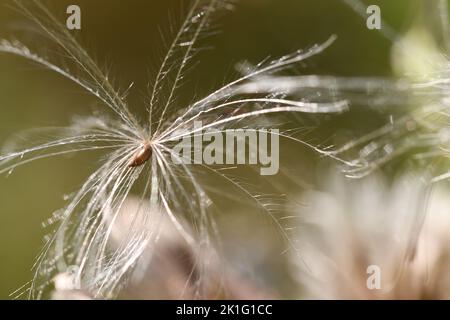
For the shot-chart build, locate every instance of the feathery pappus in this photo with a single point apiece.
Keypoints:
(138, 152)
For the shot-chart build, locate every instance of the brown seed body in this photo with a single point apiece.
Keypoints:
(141, 156)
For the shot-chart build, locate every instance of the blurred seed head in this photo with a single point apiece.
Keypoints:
(401, 228)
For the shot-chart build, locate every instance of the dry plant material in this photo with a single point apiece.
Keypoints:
(138, 152)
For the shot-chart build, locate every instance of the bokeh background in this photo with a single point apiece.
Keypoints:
(125, 36)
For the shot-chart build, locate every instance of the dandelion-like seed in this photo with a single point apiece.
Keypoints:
(141, 156)
(139, 152)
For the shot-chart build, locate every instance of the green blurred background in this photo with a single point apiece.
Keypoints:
(125, 35)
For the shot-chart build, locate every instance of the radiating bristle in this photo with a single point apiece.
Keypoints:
(83, 229)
